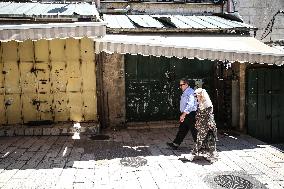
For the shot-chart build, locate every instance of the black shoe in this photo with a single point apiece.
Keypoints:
(172, 145)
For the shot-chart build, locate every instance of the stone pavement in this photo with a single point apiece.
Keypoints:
(136, 159)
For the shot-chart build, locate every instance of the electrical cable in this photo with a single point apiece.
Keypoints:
(270, 25)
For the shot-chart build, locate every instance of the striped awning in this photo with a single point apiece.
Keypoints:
(212, 47)
(53, 30)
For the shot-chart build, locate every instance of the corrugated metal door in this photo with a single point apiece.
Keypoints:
(47, 81)
(152, 91)
(265, 104)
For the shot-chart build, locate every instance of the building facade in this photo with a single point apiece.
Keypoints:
(132, 79)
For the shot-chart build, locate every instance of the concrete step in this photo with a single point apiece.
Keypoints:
(50, 129)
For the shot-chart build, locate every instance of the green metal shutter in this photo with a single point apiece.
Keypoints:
(265, 106)
(152, 91)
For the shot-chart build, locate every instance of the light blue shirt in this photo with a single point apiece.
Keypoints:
(187, 101)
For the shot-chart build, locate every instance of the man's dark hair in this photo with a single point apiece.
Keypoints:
(189, 82)
(185, 80)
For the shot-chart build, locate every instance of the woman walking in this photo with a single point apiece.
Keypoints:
(206, 127)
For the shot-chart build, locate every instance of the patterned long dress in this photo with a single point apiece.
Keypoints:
(206, 132)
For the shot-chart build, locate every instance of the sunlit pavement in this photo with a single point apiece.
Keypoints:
(136, 159)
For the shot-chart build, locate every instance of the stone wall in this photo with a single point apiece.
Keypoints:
(113, 84)
(259, 13)
(239, 96)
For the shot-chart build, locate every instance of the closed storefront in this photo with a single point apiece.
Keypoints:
(265, 103)
(48, 80)
(152, 91)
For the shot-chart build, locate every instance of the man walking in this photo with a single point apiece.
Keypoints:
(188, 107)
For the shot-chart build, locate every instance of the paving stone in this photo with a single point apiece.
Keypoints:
(35, 160)
(65, 151)
(268, 171)
(18, 141)
(39, 178)
(9, 151)
(2, 184)
(30, 141)
(66, 178)
(16, 165)
(60, 162)
(146, 180)
(262, 158)
(81, 185)
(6, 175)
(244, 165)
(226, 164)
(280, 171)
(52, 176)
(281, 183)
(35, 147)
(48, 143)
(23, 174)
(84, 175)
(101, 175)
(53, 152)
(25, 156)
(279, 155)
(267, 182)
(4, 164)
(4, 146)
(14, 184)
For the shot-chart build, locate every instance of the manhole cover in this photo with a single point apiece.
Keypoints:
(233, 182)
(99, 137)
(133, 161)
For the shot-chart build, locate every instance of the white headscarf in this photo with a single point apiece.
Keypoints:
(205, 99)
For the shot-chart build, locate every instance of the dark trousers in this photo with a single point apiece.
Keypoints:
(185, 126)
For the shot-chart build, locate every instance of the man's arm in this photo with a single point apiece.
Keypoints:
(189, 104)
(189, 107)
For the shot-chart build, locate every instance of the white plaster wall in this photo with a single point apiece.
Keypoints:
(259, 13)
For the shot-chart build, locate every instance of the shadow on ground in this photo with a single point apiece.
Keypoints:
(45, 152)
